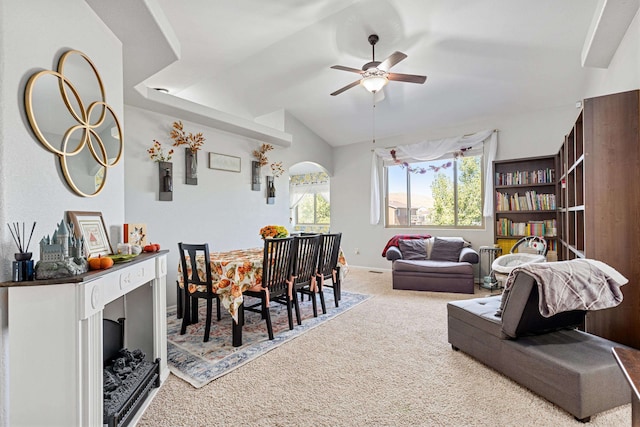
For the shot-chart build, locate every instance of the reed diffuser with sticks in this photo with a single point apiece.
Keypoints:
(20, 238)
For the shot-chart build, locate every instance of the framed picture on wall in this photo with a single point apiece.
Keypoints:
(224, 162)
(90, 225)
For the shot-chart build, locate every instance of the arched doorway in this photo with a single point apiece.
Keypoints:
(309, 198)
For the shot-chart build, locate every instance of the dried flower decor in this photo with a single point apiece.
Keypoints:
(277, 169)
(194, 141)
(157, 154)
(261, 154)
(431, 168)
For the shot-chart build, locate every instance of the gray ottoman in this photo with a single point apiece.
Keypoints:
(573, 369)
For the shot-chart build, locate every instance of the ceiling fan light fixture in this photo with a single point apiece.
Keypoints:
(375, 74)
(374, 83)
(373, 80)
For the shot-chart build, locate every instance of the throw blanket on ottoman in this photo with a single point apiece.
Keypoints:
(579, 284)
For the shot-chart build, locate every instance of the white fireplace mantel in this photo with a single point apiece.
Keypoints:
(55, 340)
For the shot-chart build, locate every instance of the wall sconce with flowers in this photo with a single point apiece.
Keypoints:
(165, 170)
(276, 170)
(194, 142)
(261, 159)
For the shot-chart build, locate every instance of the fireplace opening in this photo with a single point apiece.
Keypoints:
(127, 376)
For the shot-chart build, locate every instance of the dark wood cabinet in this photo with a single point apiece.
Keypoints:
(571, 193)
(599, 211)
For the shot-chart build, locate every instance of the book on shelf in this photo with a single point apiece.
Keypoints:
(543, 228)
(540, 176)
(529, 201)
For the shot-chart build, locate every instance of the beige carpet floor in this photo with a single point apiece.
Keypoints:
(385, 362)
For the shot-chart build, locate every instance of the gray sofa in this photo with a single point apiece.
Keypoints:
(435, 264)
(573, 369)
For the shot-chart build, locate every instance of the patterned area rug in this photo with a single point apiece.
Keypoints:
(199, 362)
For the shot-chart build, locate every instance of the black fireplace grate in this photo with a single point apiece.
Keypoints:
(124, 402)
(127, 377)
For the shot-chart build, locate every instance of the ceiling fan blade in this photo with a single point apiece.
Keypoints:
(392, 60)
(409, 78)
(349, 86)
(353, 70)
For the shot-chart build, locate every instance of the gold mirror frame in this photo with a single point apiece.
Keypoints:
(90, 137)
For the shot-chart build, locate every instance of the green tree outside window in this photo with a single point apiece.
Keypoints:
(440, 196)
(313, 209)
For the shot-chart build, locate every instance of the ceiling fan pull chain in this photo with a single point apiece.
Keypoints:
(373, 119)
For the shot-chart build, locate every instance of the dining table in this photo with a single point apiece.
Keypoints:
(232, 273)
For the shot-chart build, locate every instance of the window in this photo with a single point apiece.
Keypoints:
(312, 209)
(440, 193)
(310, 202)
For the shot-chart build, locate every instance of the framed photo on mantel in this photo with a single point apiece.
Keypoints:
(136, 234)
(90, 225)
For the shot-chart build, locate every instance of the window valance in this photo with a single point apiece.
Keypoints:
(433, 150)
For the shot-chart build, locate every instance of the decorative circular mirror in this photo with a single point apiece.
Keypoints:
(69, 115)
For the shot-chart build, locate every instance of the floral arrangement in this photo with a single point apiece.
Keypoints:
(194, 141)
(157, 154)
(261, 154)
(273, 231)
(277, 169)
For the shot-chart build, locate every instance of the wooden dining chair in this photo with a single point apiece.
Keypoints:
(305, 268)
(195, 286)
(276, 284)
(179, 300)
(328, 263)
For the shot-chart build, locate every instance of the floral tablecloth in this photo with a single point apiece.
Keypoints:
(232, 272)
(235, 271)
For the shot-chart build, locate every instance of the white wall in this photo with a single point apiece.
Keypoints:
(221, 210)
(307, 146)
(33, 35)
(623, 73)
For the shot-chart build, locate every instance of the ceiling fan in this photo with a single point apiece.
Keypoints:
(375, 74)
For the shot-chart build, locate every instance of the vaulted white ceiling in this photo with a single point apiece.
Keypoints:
(249, 58)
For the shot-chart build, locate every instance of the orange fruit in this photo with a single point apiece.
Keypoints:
(94, 263)
(106, 262)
